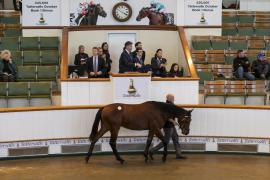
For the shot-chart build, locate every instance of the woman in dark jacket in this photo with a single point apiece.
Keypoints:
(107, 57)
(8, 68)
(175, 71)
(158, 64)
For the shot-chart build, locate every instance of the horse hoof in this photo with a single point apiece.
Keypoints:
(164, 159)
(146, 160)
(86, 160)
(151, 156)
(122, 161)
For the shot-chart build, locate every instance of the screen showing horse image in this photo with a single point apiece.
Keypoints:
(87, 14)
(156, 18)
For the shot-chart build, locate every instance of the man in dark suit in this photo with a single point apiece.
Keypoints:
(126, 61)
(138, 45)
(96, 65)
(145, 68)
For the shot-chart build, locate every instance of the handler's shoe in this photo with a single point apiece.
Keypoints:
(181, 157)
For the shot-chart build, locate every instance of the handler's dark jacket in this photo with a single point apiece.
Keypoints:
(168, 124)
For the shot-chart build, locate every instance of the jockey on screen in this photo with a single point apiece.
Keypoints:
(82, 8)
(91, 3)
(158, 7)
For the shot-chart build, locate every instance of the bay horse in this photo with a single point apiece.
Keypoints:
(155, 18)
(92, 15)
(150, 116)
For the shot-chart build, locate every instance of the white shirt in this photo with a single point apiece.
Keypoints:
(95, 63)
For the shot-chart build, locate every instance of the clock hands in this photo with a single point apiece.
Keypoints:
(122, 12)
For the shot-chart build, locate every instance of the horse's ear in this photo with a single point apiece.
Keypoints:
(191, 111)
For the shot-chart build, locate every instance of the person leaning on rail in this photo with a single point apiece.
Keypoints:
(175, 71)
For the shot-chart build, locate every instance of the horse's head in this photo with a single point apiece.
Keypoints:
(184, 122)
(101, 11)
(144, 12)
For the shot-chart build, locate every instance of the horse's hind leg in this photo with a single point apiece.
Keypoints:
(100, 133)
(114, 134)
(148, 143)
(161, 137)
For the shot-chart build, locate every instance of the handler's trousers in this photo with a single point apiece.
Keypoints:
(169, 133)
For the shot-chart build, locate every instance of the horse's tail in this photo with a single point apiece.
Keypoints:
(95, 125)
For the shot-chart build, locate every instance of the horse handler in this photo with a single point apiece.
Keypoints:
(170, 132)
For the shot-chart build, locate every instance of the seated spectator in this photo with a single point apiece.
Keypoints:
(81, 59)
(175, 71)
(126, 61)
(96, 65)
(100, 52)
(241, 66)
(260, 67)
(138, 45)
(8, 68)
(139, 59)
(158, 64)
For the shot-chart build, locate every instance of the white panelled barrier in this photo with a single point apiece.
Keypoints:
(107, 92)
(55, 128)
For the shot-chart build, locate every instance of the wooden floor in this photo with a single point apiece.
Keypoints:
(196, 167)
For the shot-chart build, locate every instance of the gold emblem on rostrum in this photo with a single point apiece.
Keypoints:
(131, 89)
(41, 19)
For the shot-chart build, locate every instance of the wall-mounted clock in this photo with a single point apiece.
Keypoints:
(122, 12)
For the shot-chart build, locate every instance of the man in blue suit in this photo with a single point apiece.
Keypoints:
(126, 61)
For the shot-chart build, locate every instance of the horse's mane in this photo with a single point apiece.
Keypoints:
(169, 108)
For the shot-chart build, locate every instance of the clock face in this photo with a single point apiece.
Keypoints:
(122, 12)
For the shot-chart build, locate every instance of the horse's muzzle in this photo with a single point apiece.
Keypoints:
(185, 132)
(138, 19)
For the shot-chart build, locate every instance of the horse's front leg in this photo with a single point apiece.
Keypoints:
(161, 137)
(148, 144)
(114, 135)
